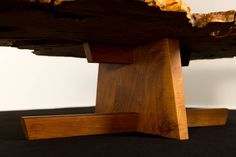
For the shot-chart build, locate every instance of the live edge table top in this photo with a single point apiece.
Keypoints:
(60, 29)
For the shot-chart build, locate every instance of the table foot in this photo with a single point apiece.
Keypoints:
(207, 117)
(58, 126)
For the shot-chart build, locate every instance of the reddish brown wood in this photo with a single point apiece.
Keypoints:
(207, 117)
(152, 87)
(58, 126)
(146, 96)
(108, 54)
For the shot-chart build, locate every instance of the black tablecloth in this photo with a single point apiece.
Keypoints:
(204, 142)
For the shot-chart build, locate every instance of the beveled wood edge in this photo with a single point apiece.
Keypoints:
(24, 127)
(87, 52)
(59, 126)
(207, 117)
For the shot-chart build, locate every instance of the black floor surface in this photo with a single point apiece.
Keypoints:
(204, 142)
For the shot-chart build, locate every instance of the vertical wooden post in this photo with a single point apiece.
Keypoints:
(152, 86)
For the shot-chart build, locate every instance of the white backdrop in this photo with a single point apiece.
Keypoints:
(28, 81)
(204, 6)
(32, 82)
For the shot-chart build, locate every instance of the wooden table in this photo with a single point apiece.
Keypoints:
(140, 50)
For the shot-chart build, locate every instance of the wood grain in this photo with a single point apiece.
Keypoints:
(207, 117)
(58, 30)
(58, 126)
(146, 96)
(152, 87)
(108, 54)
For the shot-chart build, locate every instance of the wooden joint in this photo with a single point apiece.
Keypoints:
(146, 96)
(151, 86)
(108, 54)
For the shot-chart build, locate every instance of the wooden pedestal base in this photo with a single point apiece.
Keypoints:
(58, 126)
(145, 96)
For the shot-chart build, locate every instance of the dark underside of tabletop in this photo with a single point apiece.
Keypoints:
(60, 30)
(204, 142)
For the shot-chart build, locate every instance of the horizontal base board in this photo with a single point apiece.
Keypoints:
(207, 117)
(59, 126)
